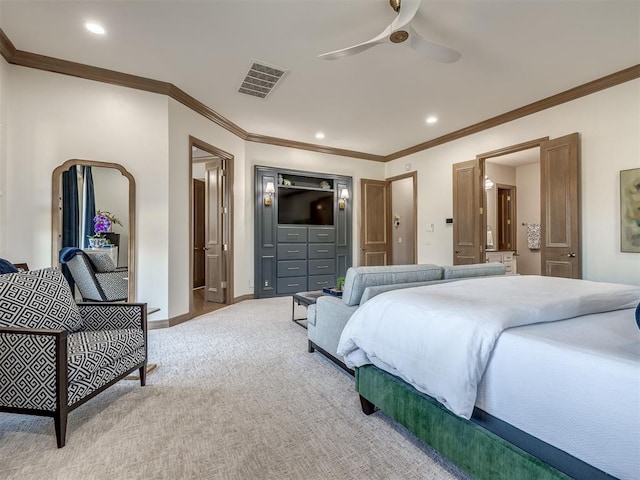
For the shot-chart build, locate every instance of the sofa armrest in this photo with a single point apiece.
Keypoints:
(33, 368)
(329, 318)
(113, 316)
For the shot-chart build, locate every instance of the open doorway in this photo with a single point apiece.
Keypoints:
(512, 189)
(211, 257)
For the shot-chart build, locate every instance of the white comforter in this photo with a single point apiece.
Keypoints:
(439, 337)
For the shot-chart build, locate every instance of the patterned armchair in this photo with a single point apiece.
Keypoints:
(55, 355)
(98, 279)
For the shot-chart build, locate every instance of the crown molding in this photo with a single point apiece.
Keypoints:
(594, 86)
(314, 147)
(88, 72)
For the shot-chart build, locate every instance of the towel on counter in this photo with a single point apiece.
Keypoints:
(533, 236)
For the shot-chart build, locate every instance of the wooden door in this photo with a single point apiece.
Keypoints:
(214, 234)
(374, 244)
(506, 209)
(467, 213)
(561, 253)
(198, 233)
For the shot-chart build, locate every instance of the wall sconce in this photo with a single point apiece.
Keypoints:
(269, 190)
(488, 183)
(344, 196)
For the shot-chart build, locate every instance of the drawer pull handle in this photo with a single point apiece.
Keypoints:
(293, 251)
(323, 251)
(323, 234)
(322, 266)
(293, 268)
(293, 284)
(322, 283)
(293, 234)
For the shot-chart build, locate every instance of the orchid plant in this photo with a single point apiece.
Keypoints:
(103, 221)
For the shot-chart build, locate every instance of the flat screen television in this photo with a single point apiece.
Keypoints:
(305, 207)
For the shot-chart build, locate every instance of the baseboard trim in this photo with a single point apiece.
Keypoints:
(242, 298)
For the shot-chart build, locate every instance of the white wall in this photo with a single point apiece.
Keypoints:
(52, 118)
(608, 122)
(528, 185)
(183, 122)
(4, 72)
(402, 235)
(112, 195)
(273, 156)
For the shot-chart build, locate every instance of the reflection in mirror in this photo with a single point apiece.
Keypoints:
(93, 217)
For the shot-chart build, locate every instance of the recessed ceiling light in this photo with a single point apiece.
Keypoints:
(94, 28)
(432, 119)
(319, 135)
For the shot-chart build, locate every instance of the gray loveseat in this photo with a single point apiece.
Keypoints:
(327, 318)
(54, 354)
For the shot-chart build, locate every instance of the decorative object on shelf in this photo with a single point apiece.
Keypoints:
(97, 242)
(270, 189)
(324, 184)
(630, 210)
(340, 283)
(280, 179)
(344, 196)
(287, 182)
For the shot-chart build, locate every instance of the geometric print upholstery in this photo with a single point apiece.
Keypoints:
(81, 387)
(114, 284)
(110, 317)
(96, 286)
(41, 367)
(28, 371)
(88, 352)
(38, 299)
(102, 262)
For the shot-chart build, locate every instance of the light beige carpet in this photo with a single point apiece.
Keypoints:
(235, 396)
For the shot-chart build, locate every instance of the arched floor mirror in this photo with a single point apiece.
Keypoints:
(80, 189)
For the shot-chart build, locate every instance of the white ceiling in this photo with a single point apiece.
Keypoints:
(513, 53)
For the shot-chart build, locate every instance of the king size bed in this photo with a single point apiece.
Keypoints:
(509, 377)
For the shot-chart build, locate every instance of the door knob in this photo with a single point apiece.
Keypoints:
(570, 255)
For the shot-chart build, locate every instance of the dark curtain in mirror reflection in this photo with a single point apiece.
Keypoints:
(70, 215)
(89, 205)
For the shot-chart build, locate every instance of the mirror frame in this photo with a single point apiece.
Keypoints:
(56, 217)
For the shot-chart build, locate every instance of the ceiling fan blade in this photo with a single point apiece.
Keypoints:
(430, 49)
(408, 10)
(361, 47)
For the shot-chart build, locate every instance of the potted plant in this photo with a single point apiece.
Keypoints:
(102, 224)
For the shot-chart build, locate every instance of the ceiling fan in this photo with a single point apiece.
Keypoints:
(399, 31)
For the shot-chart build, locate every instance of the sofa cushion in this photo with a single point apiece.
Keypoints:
(359, 278)
(38, 299)
(474, 270)
(91, 351)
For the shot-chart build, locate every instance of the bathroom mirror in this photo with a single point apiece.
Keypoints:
(81, 189)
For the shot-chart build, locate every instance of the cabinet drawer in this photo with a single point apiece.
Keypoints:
(507, 257)
(291, 251)
(318, 282)
(322, 234)
(292, 268)
(321, 250)
(292, 285)
(292, 234)
(322, 267)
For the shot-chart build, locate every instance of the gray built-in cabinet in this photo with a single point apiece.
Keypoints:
(302, 239)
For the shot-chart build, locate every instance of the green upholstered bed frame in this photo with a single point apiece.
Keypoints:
(470, 446)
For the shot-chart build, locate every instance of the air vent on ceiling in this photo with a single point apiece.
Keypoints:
(260, 79)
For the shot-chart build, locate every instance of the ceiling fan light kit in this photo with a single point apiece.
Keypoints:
(398, 32)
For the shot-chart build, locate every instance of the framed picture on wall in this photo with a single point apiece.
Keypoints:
(630, 210)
